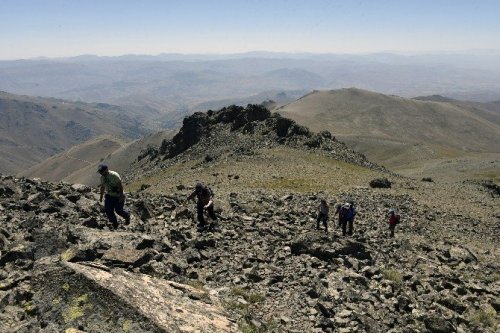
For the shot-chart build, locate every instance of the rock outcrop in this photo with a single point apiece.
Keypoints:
(95, 298)
(244, 130)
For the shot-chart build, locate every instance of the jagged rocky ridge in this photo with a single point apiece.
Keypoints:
(236, 130)
(266, 269)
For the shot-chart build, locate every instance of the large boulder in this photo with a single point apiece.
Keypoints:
(72, 295)
(380, 183)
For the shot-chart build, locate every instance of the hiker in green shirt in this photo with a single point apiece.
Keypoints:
(114, 200)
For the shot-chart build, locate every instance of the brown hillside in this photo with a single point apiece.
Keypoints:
(79, 163)
(63, 165)
(399, 132)
(33, 129)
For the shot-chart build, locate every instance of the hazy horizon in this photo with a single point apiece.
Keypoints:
(268, 53)
(61, 28)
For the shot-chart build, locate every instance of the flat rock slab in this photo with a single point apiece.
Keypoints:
(114, 239)
(126, 257)
(72, 295)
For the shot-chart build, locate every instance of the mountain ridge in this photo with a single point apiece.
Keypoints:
(414, 130)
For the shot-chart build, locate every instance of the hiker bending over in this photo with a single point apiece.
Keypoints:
(322, 214)
(114, 200)
(393, 221)
(204, 202)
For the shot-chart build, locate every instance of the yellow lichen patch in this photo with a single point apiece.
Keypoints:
(77, 308)
(127, 325)
(66, 255)
(56, 301)
(29, 307)
(66, 286)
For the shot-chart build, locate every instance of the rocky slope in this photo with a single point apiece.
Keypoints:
(265, 268)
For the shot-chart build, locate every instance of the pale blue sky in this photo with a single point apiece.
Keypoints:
(54, 28)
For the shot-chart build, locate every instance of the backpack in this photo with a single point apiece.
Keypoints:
(398, 218)
(207, 190)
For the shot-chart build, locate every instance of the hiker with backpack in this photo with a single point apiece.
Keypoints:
(337, 211)
(350, 215)
(343, 210)
(393, 221)
(323, 209)
(204, 196)
(114, 200)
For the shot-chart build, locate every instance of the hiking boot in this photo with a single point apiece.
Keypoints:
(127, 220)
(115, 225)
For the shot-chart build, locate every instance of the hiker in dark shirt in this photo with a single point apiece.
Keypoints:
(204, 202)
(322, 214)
(351, 214)
(343, 212)
(337, 212)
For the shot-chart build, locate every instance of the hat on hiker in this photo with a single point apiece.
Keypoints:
(198, 187)
(391, 210)
(102, 167)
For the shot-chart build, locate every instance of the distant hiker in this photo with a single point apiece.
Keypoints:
(351, 214)
(114, 200)
(337, 211)
(393, 221)
(343, 211)
(323, 214)
(204, 202)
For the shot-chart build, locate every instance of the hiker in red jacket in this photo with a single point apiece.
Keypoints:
(393, 221)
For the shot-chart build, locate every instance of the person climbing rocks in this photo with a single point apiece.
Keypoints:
(323, 210)
(114, 200)
(204, 202)
(343, 210)
(393, 221)
(350, 215)
(337, 212)
(346, 217)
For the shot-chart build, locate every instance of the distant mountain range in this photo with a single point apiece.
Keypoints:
(173, 85)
